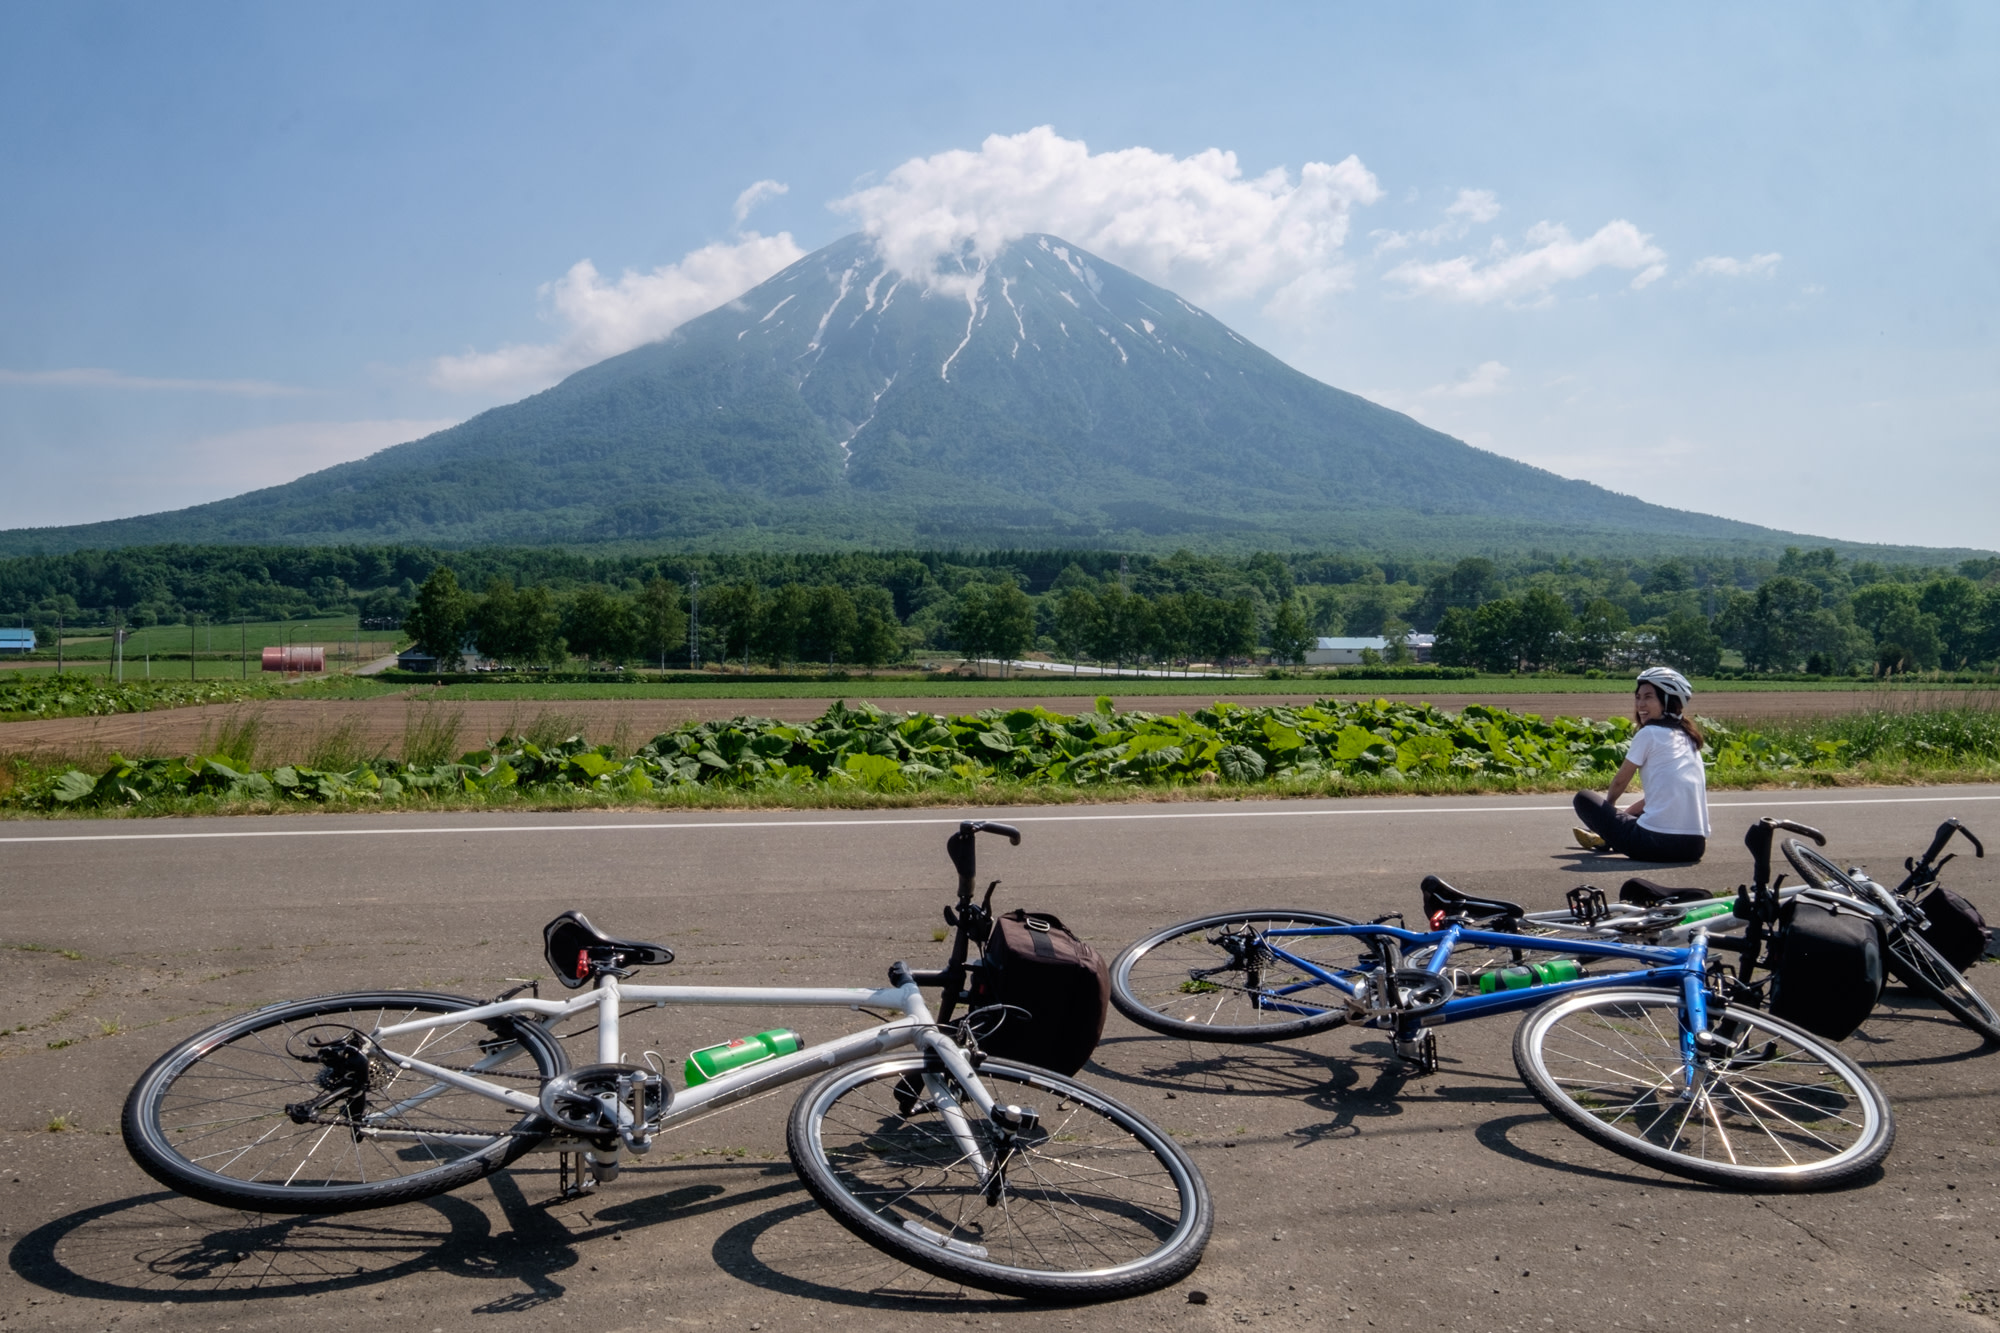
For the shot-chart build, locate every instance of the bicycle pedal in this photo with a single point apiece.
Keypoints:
(573, 1177)
(1420, 1051)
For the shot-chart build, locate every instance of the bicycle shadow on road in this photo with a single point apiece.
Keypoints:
(1505, 1135)
(1242, 1070)
(1901, 1018)
(1365, 1082)
(799, 1250)
(165, 1247)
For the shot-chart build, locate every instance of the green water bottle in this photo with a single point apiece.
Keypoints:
(1717, 907)
(738, 1053)
(1531, 974)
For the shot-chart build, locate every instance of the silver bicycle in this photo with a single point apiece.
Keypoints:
(995, 1174)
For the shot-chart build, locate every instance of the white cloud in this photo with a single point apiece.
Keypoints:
(1195, 224)
(1487, 378)
(1756, 266)
(1474, 206)
(1556, 257)
(757, 194)
(1470, 209)
(603, 318)
(95, 377)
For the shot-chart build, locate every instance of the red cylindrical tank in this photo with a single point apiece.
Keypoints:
(295, 659)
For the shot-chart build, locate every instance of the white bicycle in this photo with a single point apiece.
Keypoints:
(995, 1174)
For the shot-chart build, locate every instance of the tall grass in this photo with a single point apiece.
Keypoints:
(1923, 738)
(342, 746)
(237, 735)
(1913, 737)
(430, 733)
(551, 727)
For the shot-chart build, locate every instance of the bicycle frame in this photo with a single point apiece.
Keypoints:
(1668, 967)
(916, 1028)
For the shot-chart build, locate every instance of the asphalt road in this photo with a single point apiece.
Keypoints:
(1346, 1194)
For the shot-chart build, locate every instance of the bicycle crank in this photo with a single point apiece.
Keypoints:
(608, 1104)
(1402, 991)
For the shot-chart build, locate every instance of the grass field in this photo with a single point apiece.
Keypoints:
(220, 651)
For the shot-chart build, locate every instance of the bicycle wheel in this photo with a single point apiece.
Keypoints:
(1216, 978)
(1096, 1203)
(1917, 965)
(291, 1110)
(1784, 1111)
(1910, 957)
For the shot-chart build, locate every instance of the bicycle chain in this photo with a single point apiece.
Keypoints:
(346, 1123)
(399, 1126)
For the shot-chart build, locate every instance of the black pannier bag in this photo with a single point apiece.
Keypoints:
(1033, 963)
(1826, 968)
(1956, 930)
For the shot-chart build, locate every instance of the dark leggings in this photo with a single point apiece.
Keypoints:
(1622, 834)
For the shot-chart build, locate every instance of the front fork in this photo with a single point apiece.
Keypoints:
(1699, 1044)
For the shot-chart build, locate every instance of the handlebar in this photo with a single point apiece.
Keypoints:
(968, 922)
(1755, 902)
(1758, 840)
(1944, 832)
(965, 855)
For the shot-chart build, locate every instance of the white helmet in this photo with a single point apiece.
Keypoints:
(1669, 684)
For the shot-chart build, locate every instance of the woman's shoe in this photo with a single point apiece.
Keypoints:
(1587, 840)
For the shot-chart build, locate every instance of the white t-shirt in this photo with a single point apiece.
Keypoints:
(1676, 785)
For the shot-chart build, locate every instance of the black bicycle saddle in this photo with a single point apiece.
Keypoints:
(1442, 897)
(577, 951)
(1645, 893)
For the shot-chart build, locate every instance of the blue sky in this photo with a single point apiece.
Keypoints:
(1737, 260)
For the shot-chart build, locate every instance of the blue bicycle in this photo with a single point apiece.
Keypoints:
(1636, 1046)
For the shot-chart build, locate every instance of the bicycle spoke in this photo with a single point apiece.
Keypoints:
(1611, 1065)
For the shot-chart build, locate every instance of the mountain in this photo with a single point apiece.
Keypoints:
(1046, 398)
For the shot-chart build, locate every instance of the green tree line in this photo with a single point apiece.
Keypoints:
(1801, 610)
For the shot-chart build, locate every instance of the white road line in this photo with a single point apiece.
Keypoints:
(1003, 818)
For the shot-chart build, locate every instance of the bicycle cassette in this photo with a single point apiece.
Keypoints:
(608, 1102)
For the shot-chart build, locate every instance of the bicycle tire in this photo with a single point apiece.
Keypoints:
(1601, 1060)
(1915, 963)
(256, 1156)
(1152, 981)
(1101, 1205)
(1909, 956)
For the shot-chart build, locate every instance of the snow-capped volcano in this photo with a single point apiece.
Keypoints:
(1042, 396)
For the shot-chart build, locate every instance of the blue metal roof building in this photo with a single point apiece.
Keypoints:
(17, 641)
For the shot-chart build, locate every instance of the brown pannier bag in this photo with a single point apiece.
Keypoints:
(1059, 986)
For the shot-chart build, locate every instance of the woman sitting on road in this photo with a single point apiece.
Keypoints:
(1669, 822)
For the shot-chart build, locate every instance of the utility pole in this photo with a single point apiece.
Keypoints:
(118, 641)
(694, 626)
(59, 643)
